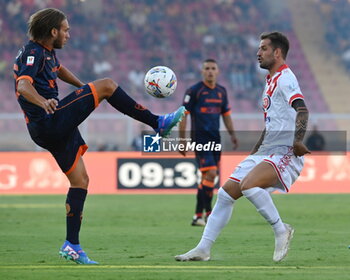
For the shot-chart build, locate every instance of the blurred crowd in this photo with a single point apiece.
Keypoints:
(337, 24)
(124, 38)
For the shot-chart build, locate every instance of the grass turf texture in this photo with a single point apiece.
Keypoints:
(136, 237)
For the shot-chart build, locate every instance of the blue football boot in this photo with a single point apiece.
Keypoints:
(74, 253)
(168, 121)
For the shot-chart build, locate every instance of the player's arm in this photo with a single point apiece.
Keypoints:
(300, 127)
(258, 144)
(188, 102)
(67, 76)
(182, 132)
(229, 127)
(26, 89)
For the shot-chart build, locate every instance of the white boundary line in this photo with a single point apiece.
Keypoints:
(174, 267)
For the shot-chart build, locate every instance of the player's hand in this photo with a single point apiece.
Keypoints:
(184, 143)
(50, 105)
(300, 149)
(234, 141)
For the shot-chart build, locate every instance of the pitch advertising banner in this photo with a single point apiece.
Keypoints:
(134, 172)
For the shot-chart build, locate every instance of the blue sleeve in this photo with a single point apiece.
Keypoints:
(225, 108)
(30, 63)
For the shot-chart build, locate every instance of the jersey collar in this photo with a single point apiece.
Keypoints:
(209, 86)
(45, 47)
(280, 69)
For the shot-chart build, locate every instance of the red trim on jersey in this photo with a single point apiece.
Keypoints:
(273, 85)
(278, 173)
(234, 179)
(284, 66)
(187, 112)
(294, 97)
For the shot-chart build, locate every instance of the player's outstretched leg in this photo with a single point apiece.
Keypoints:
(120, 100)
(75, 253)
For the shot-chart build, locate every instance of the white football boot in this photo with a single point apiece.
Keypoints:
(282, 243)
(193, 255)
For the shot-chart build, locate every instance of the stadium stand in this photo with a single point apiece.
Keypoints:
(124, 40)
(337, 30)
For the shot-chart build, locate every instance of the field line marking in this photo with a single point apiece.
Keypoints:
(183, 267)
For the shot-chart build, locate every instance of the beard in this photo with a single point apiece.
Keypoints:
(57, 44)
(264, 66)
(267, 64)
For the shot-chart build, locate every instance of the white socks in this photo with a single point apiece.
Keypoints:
(217, 220)
(222, 212)
(265, 206)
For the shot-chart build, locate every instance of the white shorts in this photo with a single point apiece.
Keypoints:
(282, 159)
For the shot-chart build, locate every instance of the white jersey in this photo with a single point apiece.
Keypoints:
(280, 91)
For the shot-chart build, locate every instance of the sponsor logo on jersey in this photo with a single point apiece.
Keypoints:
(30, 60)
(266, 102)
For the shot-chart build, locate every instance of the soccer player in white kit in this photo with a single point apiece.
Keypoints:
(276, 160)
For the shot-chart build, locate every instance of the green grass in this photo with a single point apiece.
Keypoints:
(136, 237)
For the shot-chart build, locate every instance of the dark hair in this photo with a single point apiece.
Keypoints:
(278, 40)
(210, 60)
(43, 21)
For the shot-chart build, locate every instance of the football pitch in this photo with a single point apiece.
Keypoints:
(136, 237)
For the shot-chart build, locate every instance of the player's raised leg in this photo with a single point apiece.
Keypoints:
(220, 216)
(253, 188)
(79, 181)
(120, 100)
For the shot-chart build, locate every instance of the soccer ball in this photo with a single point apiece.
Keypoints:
(160, 82)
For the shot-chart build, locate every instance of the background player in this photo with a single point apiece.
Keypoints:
(52, 123)
(206, 101)
(277, 159)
